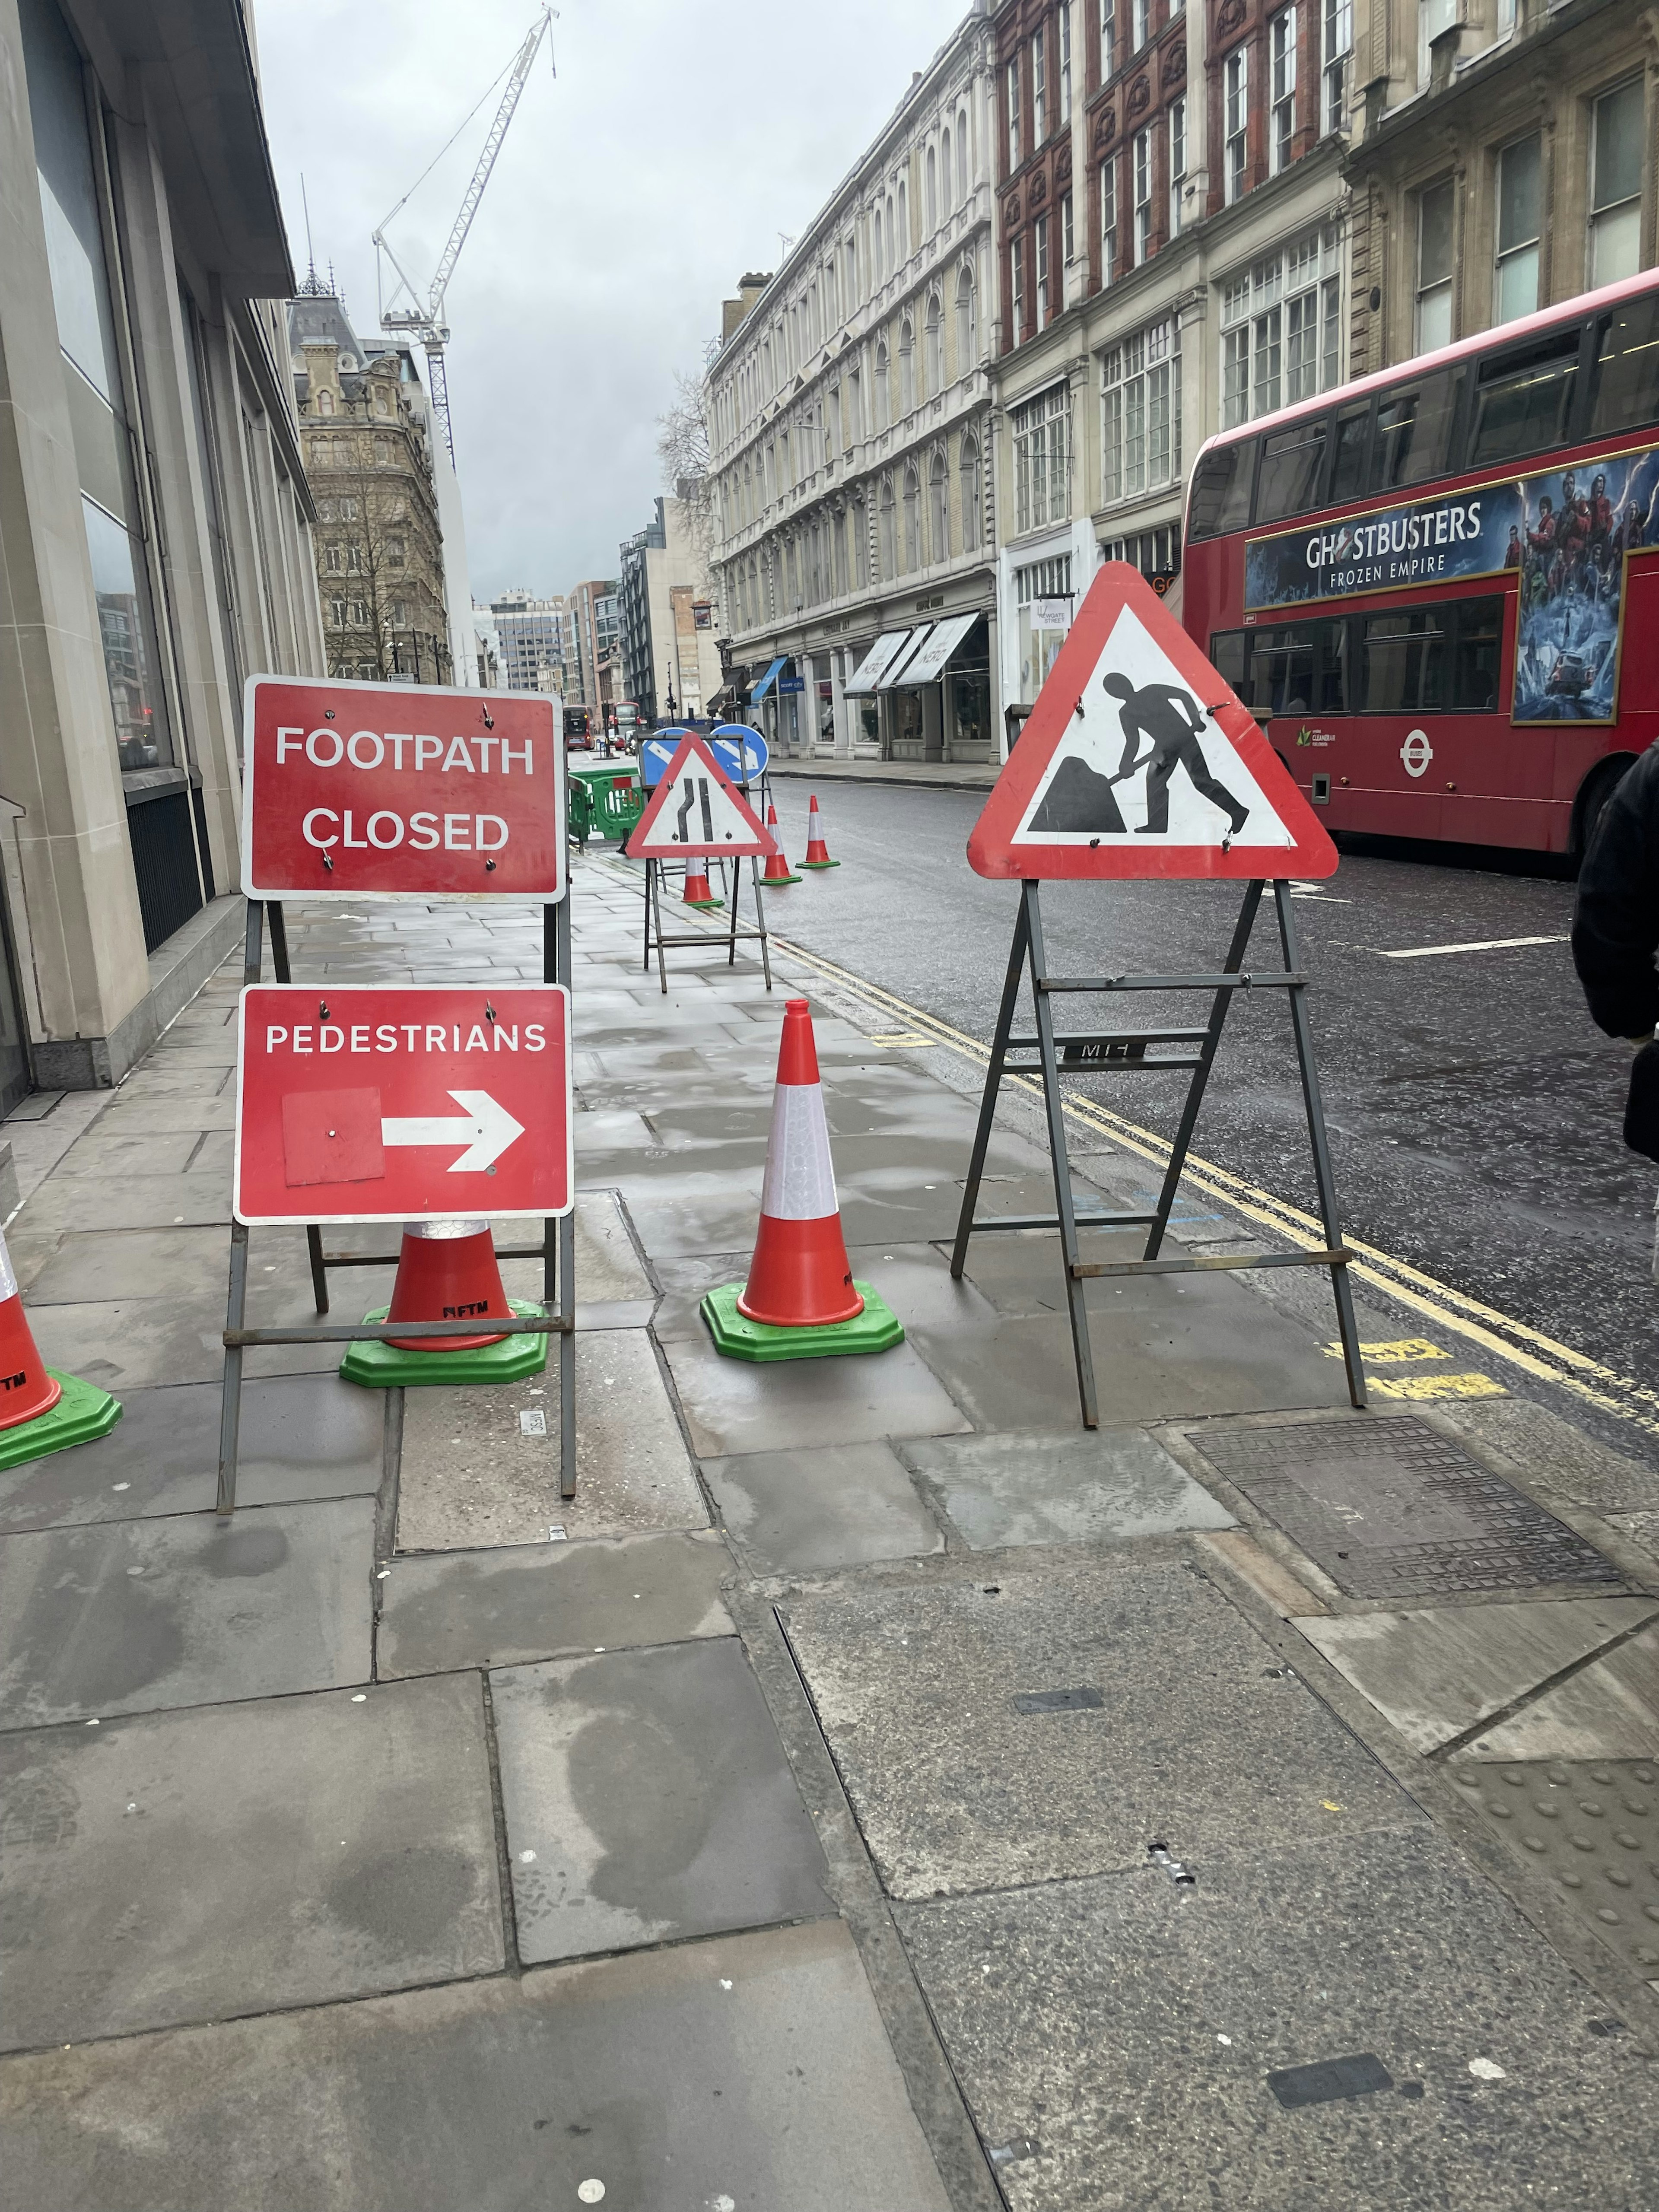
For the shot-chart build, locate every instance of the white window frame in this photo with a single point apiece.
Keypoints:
(1281, 329)
(1044, 300)
(1108, 220)
(1065, 61)
(1108, 39)
(1140, 170)
(1141, 24)
(1236, 121)
(1177, 161)
(1017, 288)
(1012, 87)
(1141, 413)
(1338, 35)
(1281, 78)
(1627, 209)
(1512, 261)
(1067, 229)
(1039, 86)
(1433, 293)
(1041, 430)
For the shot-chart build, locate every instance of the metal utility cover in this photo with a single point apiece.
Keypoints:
(1390, 1509)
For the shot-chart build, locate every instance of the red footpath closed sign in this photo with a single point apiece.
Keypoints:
(373, 790)
(399, 1104)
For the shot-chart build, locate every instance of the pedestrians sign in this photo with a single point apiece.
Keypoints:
(1138, 761)
(695, 809)
(403, 1105)
(382, 790)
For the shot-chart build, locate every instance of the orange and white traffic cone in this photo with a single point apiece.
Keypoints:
(447, 1270)
(777, 868)
(818, 853)
(41, 1411)
(800, 1300)
(698, 891)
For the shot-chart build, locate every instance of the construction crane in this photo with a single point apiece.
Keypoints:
(425, 318)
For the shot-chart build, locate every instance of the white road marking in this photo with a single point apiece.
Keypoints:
(1482, 945)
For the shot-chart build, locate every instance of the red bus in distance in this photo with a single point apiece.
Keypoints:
(1438, 586)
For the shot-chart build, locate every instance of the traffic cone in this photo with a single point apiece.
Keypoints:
(818, 853)
(446, 1271)
(698, 891)
(800, 1301)
(777, 868)
(40, 1410)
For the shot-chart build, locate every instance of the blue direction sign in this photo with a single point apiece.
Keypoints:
(739, 750)
(656, 753)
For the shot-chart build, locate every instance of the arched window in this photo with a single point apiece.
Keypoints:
(947, 176)
(961, 155)
(791, 588)
(938, 509)
(934, 358)
(907, 366)
(888, 548)
(933, 191)
(882, 393)
(967, 324)
(881, 250)
(912, 518)
(970, 505)
(326, 402)
(905, 240)
(895, 251)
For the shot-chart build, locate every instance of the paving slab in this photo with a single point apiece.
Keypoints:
(795, 1512)
(167, 1114)
(972, 1765)
(470, 1475)
(105, 1152)
(648, 1798)
(1610, 1709)
(734, 1406)
(1114, 2038)
(164, 1265)
(1104, 1487)
(498, 1608)
(130, 1201)
(695, 1210)
(1435, 1675)
(193, 1866)
(126, 1616)
(607, 1265)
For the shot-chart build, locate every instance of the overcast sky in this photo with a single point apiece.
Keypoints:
(675, 144)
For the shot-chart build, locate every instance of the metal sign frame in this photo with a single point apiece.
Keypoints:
(1126, 1051)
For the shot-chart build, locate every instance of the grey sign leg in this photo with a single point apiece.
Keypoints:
(1076, 1290)
(559, 1236)
(760, 918)
(987, 1104)
(230, 1405)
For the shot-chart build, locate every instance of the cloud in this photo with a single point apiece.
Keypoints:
(632, 191)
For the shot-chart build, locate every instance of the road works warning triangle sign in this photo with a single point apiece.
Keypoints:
(695, 809)
(1137, 760)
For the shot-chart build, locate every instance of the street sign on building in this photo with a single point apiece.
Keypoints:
(401, 1104)
(1138, 760)
(695, 809)
(378, 790)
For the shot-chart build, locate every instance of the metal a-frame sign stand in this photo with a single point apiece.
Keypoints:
(660, 941)
(557, 1251)
(1055, 813)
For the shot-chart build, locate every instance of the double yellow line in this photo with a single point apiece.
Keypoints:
(1526, 1349)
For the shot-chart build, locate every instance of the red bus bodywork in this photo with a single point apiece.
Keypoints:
(1426, 705)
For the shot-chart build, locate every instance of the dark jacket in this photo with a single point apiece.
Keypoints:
(1615, 925)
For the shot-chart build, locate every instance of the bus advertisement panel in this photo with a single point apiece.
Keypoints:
(1565, 531)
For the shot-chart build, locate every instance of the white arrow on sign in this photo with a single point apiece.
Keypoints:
(486, 1129)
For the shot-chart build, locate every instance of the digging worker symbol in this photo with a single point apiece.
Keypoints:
(1171, 722)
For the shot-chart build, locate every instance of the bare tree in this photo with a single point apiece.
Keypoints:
(683, 447)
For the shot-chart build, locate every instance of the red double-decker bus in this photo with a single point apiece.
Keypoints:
(1439, 586)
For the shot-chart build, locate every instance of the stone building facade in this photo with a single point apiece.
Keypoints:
(364, 431)
(1172, 259)
(848, 408)
(1502, 161)
(534, 645)
(595, 609)
(670, 652)
(154, 516)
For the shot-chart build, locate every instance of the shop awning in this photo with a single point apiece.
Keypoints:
(929, 664)
(768, 680)
(901, 660)
(879, 659)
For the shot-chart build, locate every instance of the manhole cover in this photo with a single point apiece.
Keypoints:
(1593, 1826)
(1389, 1509)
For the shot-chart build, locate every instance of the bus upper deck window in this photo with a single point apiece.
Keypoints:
(1221, 490)
(1625, 373)
(1348, 451)
(1291, 462)
(1524, 399)
(1413, 440)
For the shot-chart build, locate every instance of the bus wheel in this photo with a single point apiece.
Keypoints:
(1599, 787)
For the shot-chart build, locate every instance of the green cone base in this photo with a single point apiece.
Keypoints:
(378, 1365)
(704, 902)
(878, 1329)
(820, 864)
(776, 882)
(83, 1414)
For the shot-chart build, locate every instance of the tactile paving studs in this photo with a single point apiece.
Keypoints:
(1595, 1828)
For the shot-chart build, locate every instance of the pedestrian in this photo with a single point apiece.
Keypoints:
(1615, 938)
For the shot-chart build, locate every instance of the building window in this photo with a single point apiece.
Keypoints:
(934, 358)
(1108, 38)
(1141, 413)
(1065, 61)
(1041, 230)
(1013, 112)
(883, 395)
(1237, 94)
(931, 206)
(961, 155)
(888, 530)
(938, 509)
(1435, 215)
(907, 367)
(1039, 89)
(1068, 233)
(1339, 49)
(1520, 223)
(1154, 552)
(1615, 194)
(912, 520)
(1041, 472)
(1178, 162)
(1141, 24)
(1281, 330)
(1281, 52)
(1017, 288)
(1433, 17)
(1042, 592)
(968, 472)
(967, 323)
(1143, 177)
(1107, 221)
(881, 258)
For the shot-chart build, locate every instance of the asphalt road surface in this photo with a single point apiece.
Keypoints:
(1474, 1109)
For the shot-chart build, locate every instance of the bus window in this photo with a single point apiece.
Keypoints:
(1480, 625)
(1624, 372)
(1228, 649)
(1221, 490)
(1524, 399)
(1287, 482)
(1298, 670)
(1402, 663)
(1332, 695)
(1348, 451)
(1413, 440)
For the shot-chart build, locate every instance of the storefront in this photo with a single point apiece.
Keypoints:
(924, 694)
